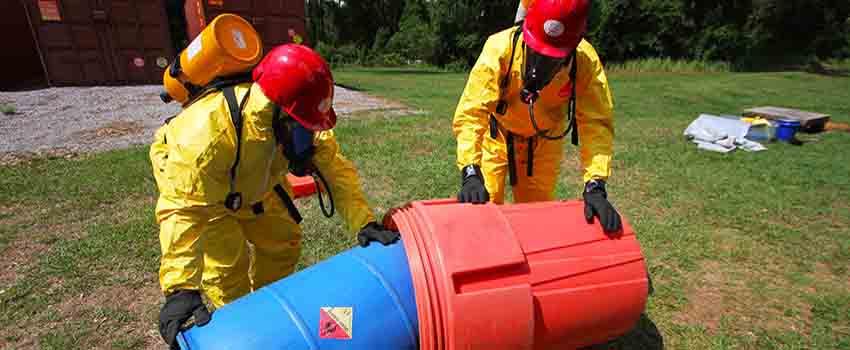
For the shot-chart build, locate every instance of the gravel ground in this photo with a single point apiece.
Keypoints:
(73, 120)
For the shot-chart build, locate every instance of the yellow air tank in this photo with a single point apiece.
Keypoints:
(228, 45)
(522, 10)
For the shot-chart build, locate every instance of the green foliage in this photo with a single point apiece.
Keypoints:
(391, 59)
(668, 65)
(462, 27)
(342, 55)
(415, 40)
(750, 34)
(8, 109)
(458, 66)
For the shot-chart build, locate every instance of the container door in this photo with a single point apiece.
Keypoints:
(72, 40)
(280, 22)
(24, 69)
(139, 40)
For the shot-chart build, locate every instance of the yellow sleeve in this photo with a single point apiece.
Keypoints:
(595, 115)
(479, 99)
(343, 181)
(159, 155)
(180, 238)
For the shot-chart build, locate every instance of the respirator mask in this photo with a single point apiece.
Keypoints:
(538, 71)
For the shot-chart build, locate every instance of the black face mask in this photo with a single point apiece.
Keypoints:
(297, 144)
(539, 70)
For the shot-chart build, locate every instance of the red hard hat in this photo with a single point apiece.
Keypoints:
(298, 80)
(554, 28)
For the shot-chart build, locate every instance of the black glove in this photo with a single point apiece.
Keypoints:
(472, 189)
(374, 232)
(596, 204)
(178, 307)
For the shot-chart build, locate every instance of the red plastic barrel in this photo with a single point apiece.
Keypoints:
(302, 186)
(527, 276)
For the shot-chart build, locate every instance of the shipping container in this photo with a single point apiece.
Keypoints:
(277, 21)
(26, 70)
(94, 42)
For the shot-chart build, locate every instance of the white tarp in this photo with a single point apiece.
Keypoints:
(719, 134)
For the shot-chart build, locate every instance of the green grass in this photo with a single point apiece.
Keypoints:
(747, 251)
(668, 65)
(7, 109)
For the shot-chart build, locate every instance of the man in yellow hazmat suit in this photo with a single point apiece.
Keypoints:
(533, 85)
(220, 167)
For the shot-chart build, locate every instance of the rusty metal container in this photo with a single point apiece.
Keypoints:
(20, 49)
(277, 21)
(102, 42)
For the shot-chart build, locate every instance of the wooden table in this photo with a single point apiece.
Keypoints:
(809, 121)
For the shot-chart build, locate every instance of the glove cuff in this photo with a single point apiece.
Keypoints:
(472, 170)
(593, 186)
(373, 225)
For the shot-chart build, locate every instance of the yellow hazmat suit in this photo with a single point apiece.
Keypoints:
(204, 244)
(594, 112)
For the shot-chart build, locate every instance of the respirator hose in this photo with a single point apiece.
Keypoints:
(320, 184)
(542, 133)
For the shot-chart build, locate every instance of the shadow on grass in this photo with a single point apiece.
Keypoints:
(645, 336)
(829, 71)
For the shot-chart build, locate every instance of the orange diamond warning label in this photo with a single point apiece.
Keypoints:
(335, 322)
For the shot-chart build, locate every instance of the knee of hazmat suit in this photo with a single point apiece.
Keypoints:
(202, 159)
(493, 93)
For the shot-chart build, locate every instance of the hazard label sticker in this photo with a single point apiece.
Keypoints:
(194, 48)
(239, 39)
(49, 10)
(336, 322)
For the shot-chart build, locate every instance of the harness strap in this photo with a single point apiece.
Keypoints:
(509, 140)
(258, 208)
(287, 201)
(510, 143)
(234, 199)
(507, 79)
(494, 127)
(502, 105)
(571, 106)
(529, 169)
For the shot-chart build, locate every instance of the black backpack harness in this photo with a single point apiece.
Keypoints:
(233, 201)
(502, 108)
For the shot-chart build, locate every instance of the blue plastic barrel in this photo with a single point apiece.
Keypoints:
(786, 129)
(360, 299)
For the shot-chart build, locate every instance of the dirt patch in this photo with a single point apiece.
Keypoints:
(17, 258)
(27, 244)
(37, 227)
(741, 299)
(127, 310)
(823, 274)
(111, 129)
(706, 305)
(15, 158)
(124, 311)
(425, 148)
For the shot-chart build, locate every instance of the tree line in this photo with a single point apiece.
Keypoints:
(746, 33)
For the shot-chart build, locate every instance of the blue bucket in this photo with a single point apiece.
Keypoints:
(360, 299)
(786, 129)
